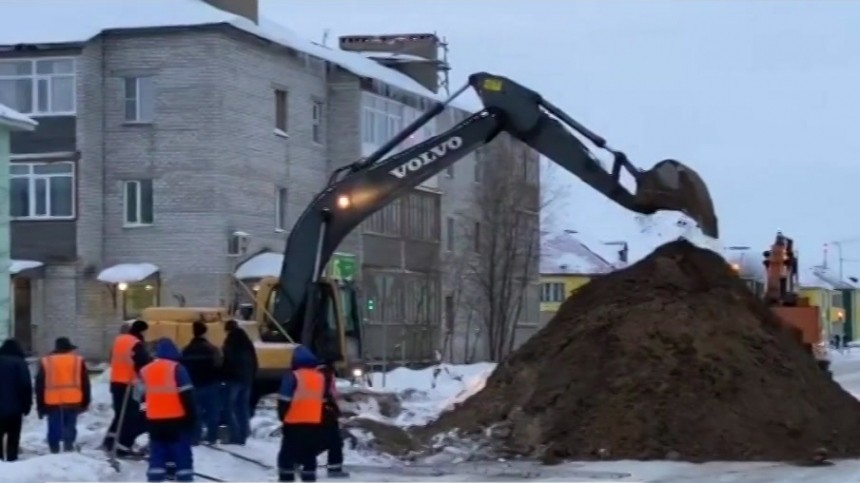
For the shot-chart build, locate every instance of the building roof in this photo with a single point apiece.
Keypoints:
(47, 22)
(13, 119)
(565, 253)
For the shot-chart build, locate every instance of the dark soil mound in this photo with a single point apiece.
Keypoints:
(670, 358)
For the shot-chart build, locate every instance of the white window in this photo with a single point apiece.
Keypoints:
(552, 292)
(317, 122)
(383, 118)
(137, 199)
(42, 191)
(38, 86)
(280, 209)
(139, 99)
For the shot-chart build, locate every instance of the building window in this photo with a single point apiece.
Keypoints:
(386, 221)
(449, 233)
(317, 120)
(421, 216)
(552, 292)
(477, 236)
(281, 110)
(38, 86)
(139, 99)
(479, 161)
(42, 190)
(383, 118)
(137, 199)
(280, 209)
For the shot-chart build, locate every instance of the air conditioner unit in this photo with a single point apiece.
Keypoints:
(237, 244)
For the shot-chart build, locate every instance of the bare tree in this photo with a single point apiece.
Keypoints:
(503, 225)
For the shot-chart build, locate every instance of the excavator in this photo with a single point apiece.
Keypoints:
(781, 295)
(356, 191)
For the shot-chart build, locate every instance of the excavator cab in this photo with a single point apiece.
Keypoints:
(338, 339)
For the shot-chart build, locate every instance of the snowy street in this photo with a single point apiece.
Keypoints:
(422, 397)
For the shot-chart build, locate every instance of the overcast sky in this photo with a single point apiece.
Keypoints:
(761, 97)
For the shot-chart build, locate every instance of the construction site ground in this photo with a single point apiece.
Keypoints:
(421, 397)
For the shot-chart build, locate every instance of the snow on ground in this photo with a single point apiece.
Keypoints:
(423, 394)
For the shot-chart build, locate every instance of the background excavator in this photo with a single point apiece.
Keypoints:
(304, 306)
(780, 293)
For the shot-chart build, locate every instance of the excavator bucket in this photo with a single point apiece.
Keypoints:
(671, 185)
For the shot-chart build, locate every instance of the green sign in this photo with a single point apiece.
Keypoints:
(342, 266)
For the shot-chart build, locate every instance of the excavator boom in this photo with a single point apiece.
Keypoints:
(357, 191)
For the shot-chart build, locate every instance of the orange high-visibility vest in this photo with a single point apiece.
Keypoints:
(306, 406)
(162, 394)
(121, 361)
(63, 379)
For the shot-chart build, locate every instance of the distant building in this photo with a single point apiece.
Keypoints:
(567, 264)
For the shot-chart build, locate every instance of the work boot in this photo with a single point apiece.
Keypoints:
(286, 476)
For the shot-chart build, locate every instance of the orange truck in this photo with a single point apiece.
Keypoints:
(780, 293)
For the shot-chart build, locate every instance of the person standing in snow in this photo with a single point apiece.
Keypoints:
(17, 400)
(62, 393)
(203, 361)
(304, 391)
(170, 414)
(333, 441)
(128, 356)
(240, 369)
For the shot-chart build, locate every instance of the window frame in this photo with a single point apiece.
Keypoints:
(139, 195)
(317, 116)
(34, 78)
(552, 292)
(282, 110)
(31, 176)
(137, 99)
(281, 208)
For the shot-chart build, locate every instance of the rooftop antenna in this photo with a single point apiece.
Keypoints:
(445, 67)
(326, 33)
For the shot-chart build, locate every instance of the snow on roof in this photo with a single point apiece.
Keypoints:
(47, 22)
(127, 273)
(17, 266)
(565, 253)
(14, 119)
(391, 56)
(265, 264)
(823, 277)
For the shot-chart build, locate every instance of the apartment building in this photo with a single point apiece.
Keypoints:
(179, 147)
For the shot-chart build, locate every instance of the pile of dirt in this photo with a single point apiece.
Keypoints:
(670, 358)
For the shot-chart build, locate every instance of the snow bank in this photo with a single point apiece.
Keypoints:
(60, 467)
(127, 273)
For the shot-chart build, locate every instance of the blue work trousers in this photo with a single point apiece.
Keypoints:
(208, 399)
(176, 453)
(62, 428)
(238, 412)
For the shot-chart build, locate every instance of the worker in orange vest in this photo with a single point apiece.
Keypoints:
(170, 414)
(304, 391)
(128, 356)
(62, 392)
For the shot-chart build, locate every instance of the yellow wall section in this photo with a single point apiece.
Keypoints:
(571, 283)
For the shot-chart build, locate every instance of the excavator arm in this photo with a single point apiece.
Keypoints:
(357, 191)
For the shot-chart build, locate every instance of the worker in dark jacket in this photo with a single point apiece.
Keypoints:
(240, 369)
(128, 356)
(17, 399)
(170, 414)
(62, 393)
(304, 391)
(332, 440)
(203, 361)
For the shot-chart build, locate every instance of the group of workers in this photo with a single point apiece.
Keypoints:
(176, 398)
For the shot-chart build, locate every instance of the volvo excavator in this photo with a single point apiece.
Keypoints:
(358, 190)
